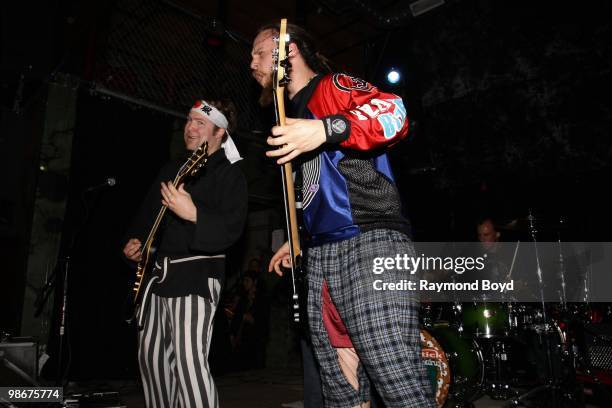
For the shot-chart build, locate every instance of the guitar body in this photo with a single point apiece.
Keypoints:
(135, 299)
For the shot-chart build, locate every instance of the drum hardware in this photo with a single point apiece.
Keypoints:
(557, 392)
(425, 315)
(457, 311)
(436, 313)
(500, 389)
(522, 316)
(562, 265)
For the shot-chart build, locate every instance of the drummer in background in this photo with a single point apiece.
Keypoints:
(497, 266)
(488, 234)
(502, 264)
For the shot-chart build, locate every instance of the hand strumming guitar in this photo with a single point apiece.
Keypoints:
(179, 201)
(131, 250)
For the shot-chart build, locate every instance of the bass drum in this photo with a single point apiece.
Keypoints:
(454, 364)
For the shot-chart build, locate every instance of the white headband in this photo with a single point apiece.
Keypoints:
(213, 114)
(218, 119)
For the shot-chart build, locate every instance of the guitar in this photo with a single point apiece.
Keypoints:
(190, 168)
(280, 72)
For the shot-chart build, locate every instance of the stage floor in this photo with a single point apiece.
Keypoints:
(267, 388)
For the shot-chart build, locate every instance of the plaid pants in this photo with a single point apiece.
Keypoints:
(383, 325)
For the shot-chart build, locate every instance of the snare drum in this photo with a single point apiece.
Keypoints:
(454, 364)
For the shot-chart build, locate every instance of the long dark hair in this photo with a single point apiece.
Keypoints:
(306, 44)
(227, 108)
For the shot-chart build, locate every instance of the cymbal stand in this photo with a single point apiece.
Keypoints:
(562, 267)
(551, 384)
(499, 389)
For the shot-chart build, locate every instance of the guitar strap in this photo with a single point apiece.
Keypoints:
(300, 101)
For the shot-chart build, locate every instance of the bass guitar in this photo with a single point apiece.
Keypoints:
(280, 71)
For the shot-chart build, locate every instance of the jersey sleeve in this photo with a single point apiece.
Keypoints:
(376, 119)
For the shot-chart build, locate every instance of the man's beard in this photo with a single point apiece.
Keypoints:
(267, 92)
(267, 96)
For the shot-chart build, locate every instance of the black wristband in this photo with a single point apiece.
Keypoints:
(337, 128)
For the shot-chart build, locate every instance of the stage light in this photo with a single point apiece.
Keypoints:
(393, 76)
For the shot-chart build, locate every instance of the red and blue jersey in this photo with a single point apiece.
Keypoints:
(349, 187)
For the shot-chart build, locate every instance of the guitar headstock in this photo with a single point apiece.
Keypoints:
(195, 162)
(280, 58)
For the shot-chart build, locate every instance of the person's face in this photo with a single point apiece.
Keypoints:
(198, 130)
(261, 58)
(487, 234)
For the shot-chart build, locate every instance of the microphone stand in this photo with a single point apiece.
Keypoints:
(52, 282)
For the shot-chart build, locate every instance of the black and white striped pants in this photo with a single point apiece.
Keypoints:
(173, 351)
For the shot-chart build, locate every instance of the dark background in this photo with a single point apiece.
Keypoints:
(509, 101)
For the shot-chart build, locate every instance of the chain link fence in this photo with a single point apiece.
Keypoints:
(164, 57)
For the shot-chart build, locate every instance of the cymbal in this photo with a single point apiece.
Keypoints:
(524, 224)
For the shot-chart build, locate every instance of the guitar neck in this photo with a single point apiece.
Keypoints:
(156, 224)
(288, 187)
(158, 220)
(281, 80)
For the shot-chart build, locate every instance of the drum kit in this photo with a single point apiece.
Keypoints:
(527, 354)
(494, 349)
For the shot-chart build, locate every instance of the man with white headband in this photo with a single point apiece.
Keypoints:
(207, 216)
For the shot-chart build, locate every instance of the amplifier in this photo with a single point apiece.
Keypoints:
(601, 357)
(18, 362)
(598, 342)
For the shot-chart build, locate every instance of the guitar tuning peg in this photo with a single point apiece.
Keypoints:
(285, 63)
(285, 81)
